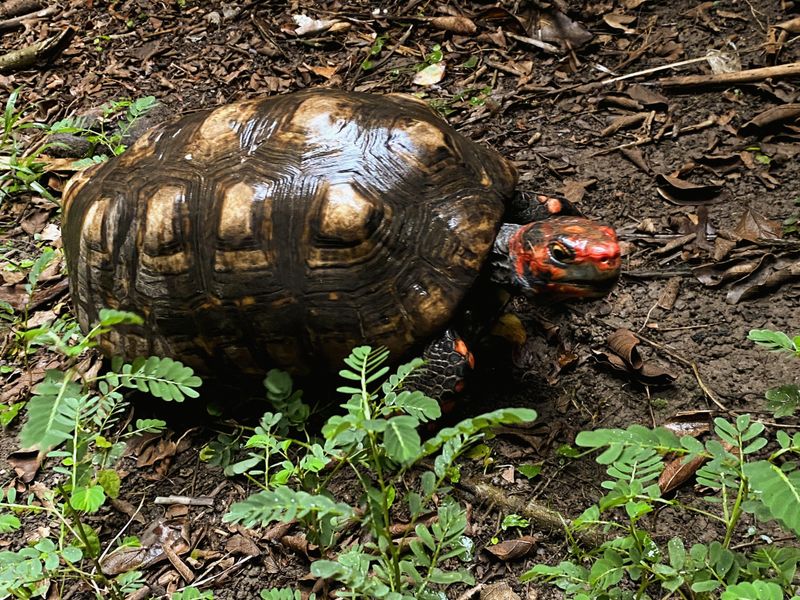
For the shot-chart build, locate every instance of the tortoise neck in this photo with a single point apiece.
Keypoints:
(501, 263)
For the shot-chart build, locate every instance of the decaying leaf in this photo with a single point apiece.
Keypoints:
(625, 357)
(430, 75)
(460, 25)
(25, 463)
(239, 544)
(679, 191)
(773, 272)
(678, 471)
(150, 552)
(753, 226)
(620, 21)
(670, 293)
(513, 549)
(770, 119)
(498, 591)
(308, 26)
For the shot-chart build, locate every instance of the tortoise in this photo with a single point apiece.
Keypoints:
(283, 231)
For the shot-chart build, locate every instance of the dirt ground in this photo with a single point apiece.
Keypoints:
(686, 174)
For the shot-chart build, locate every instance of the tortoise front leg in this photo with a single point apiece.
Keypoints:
(527, 207)
(448, 362)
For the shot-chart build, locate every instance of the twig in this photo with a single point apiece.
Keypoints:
(541, 516)
(185, 500)
(747, 76)
(13, 8)
(180, 566)
(708, 391)
(649, 140)
(19, 21)
(40, 51)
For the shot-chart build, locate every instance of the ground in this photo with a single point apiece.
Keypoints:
(624, 150)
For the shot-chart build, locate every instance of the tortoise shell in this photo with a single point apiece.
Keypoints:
(284, 231)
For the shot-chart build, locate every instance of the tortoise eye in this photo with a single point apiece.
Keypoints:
(561, 253)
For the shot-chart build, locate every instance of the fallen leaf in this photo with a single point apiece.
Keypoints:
(307, 26)
(620, 21)
(670, 293)
(770, 119)
(679, 191)
(513, 549)
(239, 544)
(150, 552)
(648, 97)
(792, 25)
(26, 464)
(625, 358)
(460, 25)
(324, 72)
(772, 273)
(678, 471)
(430, 75)
(754, 226)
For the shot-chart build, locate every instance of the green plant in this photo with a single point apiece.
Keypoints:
(374, 50)
(783, 400)
(284, 594)
(791, 224)
(20, 171)
(630, 563)
(377, 438)
(83, 415)
(107, 134)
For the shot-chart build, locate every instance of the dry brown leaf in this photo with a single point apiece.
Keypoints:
(498, 591)
(430, 75)
(670, 293)
(620, 21)
(150, 552)
(324, 72)
(625, 358)
(648, 97)
(239, 544)
(513, 549)
(773, 272)
(754, 226)
(460, 25)
(679, 191)
(26, 464)
(678, 471)
(770, 119)
(792, 25)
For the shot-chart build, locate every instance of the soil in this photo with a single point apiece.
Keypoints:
(607, 147)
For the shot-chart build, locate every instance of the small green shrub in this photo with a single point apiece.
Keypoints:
(631, 564)
(76, 422)
(783, 400)
(377, 438)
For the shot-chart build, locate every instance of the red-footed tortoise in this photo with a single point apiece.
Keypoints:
(284, 231)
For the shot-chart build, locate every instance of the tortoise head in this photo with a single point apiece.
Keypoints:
(563, 258)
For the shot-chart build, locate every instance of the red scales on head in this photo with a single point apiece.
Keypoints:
(565, 257)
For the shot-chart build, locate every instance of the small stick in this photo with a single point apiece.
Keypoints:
(40, 51)
(649, 140)
(14, 8)
(20, 21)
(180, 566)
(185, 500)
(747, 76)
(540, 515)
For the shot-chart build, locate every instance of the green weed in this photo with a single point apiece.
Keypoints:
(377, 438)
